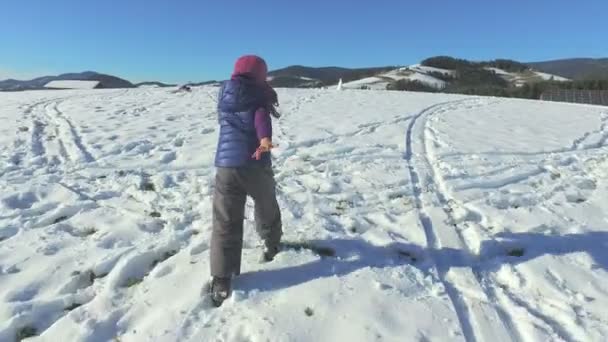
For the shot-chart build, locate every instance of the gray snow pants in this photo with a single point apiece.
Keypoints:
(232, 185)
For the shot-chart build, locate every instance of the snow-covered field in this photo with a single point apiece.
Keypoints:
(451, 218)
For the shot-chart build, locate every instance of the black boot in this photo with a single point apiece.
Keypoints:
(221, 288)
(269, 253)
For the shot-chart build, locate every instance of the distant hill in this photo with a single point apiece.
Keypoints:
(155, 84)
(298, 76)
(575, 68)
(441, 73)
(106, 81)
(198, 84)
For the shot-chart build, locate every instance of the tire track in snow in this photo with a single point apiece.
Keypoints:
(479, 315)
(68, 136)
(579, 143)
(45, 147)
(497, 293)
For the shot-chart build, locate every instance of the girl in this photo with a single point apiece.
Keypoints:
(244, 167)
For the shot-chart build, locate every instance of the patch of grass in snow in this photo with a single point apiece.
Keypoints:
(60, 219)
(516, 252)
(147, 186)
(72, 307)
(98, 276)
(155, 214)
(13, 269)
(342, 207)
(26, 332)
(319, 250)
(397, 195)
(92, 276)
(132, 282)
(88, 231)
(164, 257)
(408, 255)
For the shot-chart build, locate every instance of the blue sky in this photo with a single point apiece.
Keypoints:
(194, 40)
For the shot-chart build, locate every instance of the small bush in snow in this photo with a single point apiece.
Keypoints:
(26, 332)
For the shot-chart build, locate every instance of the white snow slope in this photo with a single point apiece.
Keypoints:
(415, 72)
(72, 84)
(452, 218)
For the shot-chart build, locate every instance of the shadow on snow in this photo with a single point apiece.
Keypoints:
(350, 255)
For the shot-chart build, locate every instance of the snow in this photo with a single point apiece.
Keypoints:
(548, 77)
(426, 69)
(452, 218)
(428, 80)
(67, 84)
(381, 81)
(499, 71)
(375, 83)
(522, 78)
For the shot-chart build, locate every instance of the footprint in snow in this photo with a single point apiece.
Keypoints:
(154, 226)
(23, 295)
(179, 142)
(135, 269)
(23, 200)
(168, 157)
(585, 183)
(77, 281)
(575, 197)
(50, 249)
(13, 269)
(163, 271)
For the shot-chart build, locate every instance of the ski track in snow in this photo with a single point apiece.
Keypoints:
(484, 315)
(479, 318)
(105, 219)
(462, 217)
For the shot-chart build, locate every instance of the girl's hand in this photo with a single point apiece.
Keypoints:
(266, 145)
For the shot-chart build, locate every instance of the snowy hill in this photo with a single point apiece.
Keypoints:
(105, 81)
(415, 72)
(419, 217)
(575, 68)
(154, 84)
(430, 76)
(382, 78)
(298, 76)
(521, 78)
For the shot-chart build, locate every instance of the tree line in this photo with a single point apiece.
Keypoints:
(474, 78)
